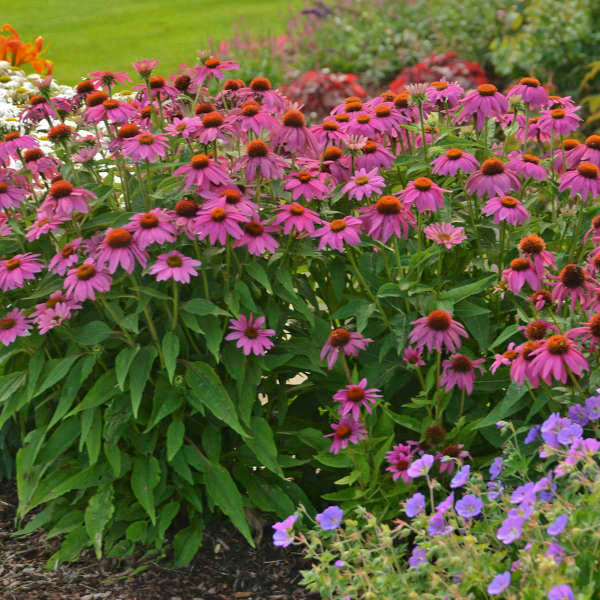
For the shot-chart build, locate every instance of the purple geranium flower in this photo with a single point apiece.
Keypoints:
(283, 531)
(499, 583)
(558, 526)
(461, 477)
(415, 505)
(418, 557)
(330, 518)
(556, 552)
(421, 466)
(496, 468)
(510, 530)
(561, 592)
(469, 506)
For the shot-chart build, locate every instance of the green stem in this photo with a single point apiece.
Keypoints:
(116, 319)
(422, 121)
(175, 304)
(437, 385)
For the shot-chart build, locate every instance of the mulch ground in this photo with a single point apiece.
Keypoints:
(226, 568)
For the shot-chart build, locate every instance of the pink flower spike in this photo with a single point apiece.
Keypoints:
(351, 342)
(352, 397)
(445, 234)
(346, 431)
(14, 324)
(250, 334)
(176, 266)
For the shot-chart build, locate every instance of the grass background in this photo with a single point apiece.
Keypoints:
(89, 35)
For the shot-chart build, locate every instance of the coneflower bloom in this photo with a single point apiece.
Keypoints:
(436, 330)
(459, 371)
(506, 208)
(10, 195)
(127, 131)
(154, 226)
(260, 88)
(387, 217)
(295, 216)
(294, 136)
(186, 127)
(520, 367)
(251, 117)
(583, 180)
(212, 67)
(534, 247)
(556, 357)
(217, 223)
(145, 146)
(259, 160)
(364, 184)
(43, 225)
(336, 164)
(5, 229)
(559, 121)
(445, 234)
(110, 110)
(160, 90)
(65, 198)
(250, 334)
(13, 324)
(413, 356)
(575, 283)
(257, 237)
(484, 102)
(57, 298)
(591, 150)
(373, 155)
(119, 248)
(203, 173)
(231, 197)
(444, 93)
(213, 127)
(176, 266)
(361, 125)
(39, 164)
(424, 193)
(328, 132)
(537, 330)
(39, 108)
(505, 359)
(15, 271)
(531, 91)
(66, 258)
(493, 179)
(353, 396)
(574, 151)
(83, 282)
(540, 299)
(350, 342)
(453, 161)
(346, 431)
(53, 317)
(521, 271)
(340, 231)
(13, 143)
(400, 458)
(145, 66)
(386, 119)
(108, 78)
(304, 183)
(528, 166)
(184, 214)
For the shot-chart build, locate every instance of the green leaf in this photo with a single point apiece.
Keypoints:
(113, 456)
(202, 308)
(34, 368)
(505, 407)
(507, 332)
(213, 334)
(170, 348)
(100, 393)
(313, 438)
(144, 478)
(175, 435)
(98, 513)
(139, 374)
(262, 443)
(335, 461)
(187, 541)
(406, 421)
(464, 291)
(167, 513)
(122, 364)
(92, 333)
(57, 369)
(256, 271)
(269, 497)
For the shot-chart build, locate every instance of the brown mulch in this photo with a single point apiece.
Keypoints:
(225, 568)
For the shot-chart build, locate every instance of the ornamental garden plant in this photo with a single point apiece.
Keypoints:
(214, 307)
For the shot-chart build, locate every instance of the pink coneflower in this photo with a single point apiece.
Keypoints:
(413, 356)
(594, 262)
(213, 127)
(119, 248)
(591, 151)
(521, 271)
(373, 155)
(329, 132)
(520, 367)
(252, 117)
(335, 163)
(364, 184)
(64, 198)
(202, 172)
(360, 125)
(387, 217)
(160, 90)
(506, 208)
(14, 324)
(453, 161)
(534, 247)
(108, 78)
(217, 223)
(145, 66)
(304, 183)
(15, 271)
(53, 317)
(427, 195)
(39, 108)
(493, 179)
(353, 396)
(5, 229)
(250, 334)
(259, 160)
(589, 331)
(436, 330)
(110, 110)
(294, 136)
(40, 164)
(485, 101)
(84, 281)
(537, 330)
(584, 180)
(146, 146)
(295, 216)
(540, 299)
(186, 127)
(453, 451)
(556, 357)
(387, 120)
(43, 226)
(212, 67)
(527, 165)
(459, 371)
(231, 197)
(13, 143)
(575, 283)
(10, 195)
(151, 227)
(338, 232)
(256, 237)
(184, 214)
(66, 258)
(351, 342)
(444, 93)
(346, 431)
(445, 234)
(531, 127)
(531, 91)
(260, 88)
(559, 121)
(174, 265)
(505, 359)
(400, 458)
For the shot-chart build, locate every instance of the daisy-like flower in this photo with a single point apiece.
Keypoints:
(453, 161)
(556, 357)
(83, 282)
(257, 237)
(335, 163)
(304, 183)
(360, 125)
(13, 324)
(534, 247)
(109, 109)
(43, 226)
(575, 283)
(374, 156)
(592, 150)
(252, 117)
(425, 194)
(108, 78)
(353, 396)
(250, 334)
(450, 456)
(145, 66)
(328, 132)
(364, 184)
(386, 120)
(187, 127)
(540, 299)
(559, 121)
(521, 271)
(506, 208)
(64, 198)
(213, 126)
(294, 136)
(212, 67)
(350, 342)
(338, 232)
(146, 146)
(520, 367)
(493, 179)
(347, 431)
(531, 91)
(203, 173)
(400, 458)
(445, 234)
(459, 371)
(444, 93)
(387, 217)
(40, 164)
(217, 223)
(589, 332)
(505, 359)
(295, 216)
(583, 180)
(231, 197)
(66, 258)
(174, 265)
(125, 132)
(574, 151)
(52, 318)
(537, 330)
(12, 143)
(413, 356)
(259, 160)
(528, 166)
(11, 196)
(154, 226)
(437, 330)
(260, 89)
(119, 248)
(160, 90)
(15, 271)
(484, 102)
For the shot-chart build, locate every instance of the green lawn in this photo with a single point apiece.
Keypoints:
(86, 35)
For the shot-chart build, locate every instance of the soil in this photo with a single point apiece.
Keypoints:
(225, 568)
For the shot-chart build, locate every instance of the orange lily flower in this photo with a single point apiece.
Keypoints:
(18, 52)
